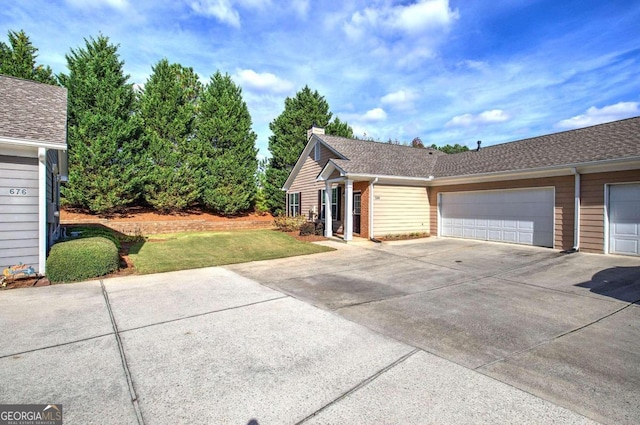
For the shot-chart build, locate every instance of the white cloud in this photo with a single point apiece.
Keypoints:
(225, 10)
(115, 4)
(262, 82)
(375, 114)
(418, 18)
(401, 99)
(221, 9)
(486, 117)
(301, 7)
(595, 115)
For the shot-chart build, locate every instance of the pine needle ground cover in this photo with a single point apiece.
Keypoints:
(182, 251)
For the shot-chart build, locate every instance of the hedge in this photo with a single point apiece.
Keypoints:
(90, 232)
(81, 259)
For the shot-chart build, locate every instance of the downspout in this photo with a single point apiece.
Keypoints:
(576, 208)
(371, 185)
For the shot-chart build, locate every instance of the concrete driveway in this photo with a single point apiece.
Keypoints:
(445, 331)
(563, 327)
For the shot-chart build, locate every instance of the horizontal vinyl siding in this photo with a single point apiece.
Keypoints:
(592, 206)
(400, 210)
(305, 182)
(564, 202)
(18, 213)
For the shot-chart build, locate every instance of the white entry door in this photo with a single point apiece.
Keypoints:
(523, 216)
(624, 219)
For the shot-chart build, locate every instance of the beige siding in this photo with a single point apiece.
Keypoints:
(564, 202)
(305, 182)
(400, 210)
(592, 206)
(18, 212)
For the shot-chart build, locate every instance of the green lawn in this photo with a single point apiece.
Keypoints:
(180, 251)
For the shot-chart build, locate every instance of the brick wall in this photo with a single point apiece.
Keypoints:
(174, 226)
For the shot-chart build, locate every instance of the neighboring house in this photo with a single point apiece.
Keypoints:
(577, 189)
(33, 162)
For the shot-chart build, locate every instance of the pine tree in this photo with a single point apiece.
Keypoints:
(289, 138)
(168, 107)
(18, 59)
(225, 135)
(102, 130)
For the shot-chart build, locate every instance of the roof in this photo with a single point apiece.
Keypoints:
(375, 158)
(616, 140)
(611, 141)
(32, 113)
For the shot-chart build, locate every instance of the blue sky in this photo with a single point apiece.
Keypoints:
(445, 71)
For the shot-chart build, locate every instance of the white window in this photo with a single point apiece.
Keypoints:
(316, 152)
(335, 202)
(294, 204)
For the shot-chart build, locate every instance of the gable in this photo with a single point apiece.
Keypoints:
(306, 160)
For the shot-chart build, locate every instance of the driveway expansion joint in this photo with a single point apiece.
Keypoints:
(123, 358)
(206, 313)
(362, 384)
(562, 335)
(62, 344)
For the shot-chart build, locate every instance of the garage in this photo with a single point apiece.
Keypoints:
(624, 219)
(523, 216)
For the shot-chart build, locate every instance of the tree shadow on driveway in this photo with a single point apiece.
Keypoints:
(622, 283)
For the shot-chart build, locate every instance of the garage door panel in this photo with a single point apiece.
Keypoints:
(624, 219)
(520, 216)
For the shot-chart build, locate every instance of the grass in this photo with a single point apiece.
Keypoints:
(180, 251)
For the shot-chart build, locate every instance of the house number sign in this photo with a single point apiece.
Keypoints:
(17, 191)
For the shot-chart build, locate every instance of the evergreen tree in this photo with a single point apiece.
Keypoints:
(102, 130)
(225, 135)
(339, 128)
(18, 59)
(168, 107)
(289, 138)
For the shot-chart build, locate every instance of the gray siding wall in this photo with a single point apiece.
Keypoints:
(18, 212)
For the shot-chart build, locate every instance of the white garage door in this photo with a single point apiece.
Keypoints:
(624, 219)
(516, 216)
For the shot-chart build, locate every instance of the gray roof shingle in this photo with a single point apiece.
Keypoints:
(32, 111)
(610, 141)
(364, 157)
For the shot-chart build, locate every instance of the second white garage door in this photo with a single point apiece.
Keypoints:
(624, 218)
(523, 216)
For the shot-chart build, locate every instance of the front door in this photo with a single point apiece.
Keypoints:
(356, 212)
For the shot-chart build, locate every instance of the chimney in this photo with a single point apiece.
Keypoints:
(479, 142)
(314, 130)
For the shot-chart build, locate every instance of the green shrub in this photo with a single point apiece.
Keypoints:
(319, 228)
(81, 259)
(91, 232)
(289, 224)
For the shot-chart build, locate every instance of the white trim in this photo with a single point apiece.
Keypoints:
(42, 210)
(439, 216)
(303, 157)
(328, 222)
(371, 203)
(605, 248)
(33, 143)
(348, 210)
(576, 213)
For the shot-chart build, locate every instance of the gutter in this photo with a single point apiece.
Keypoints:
(576, 208)
(371, 197)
